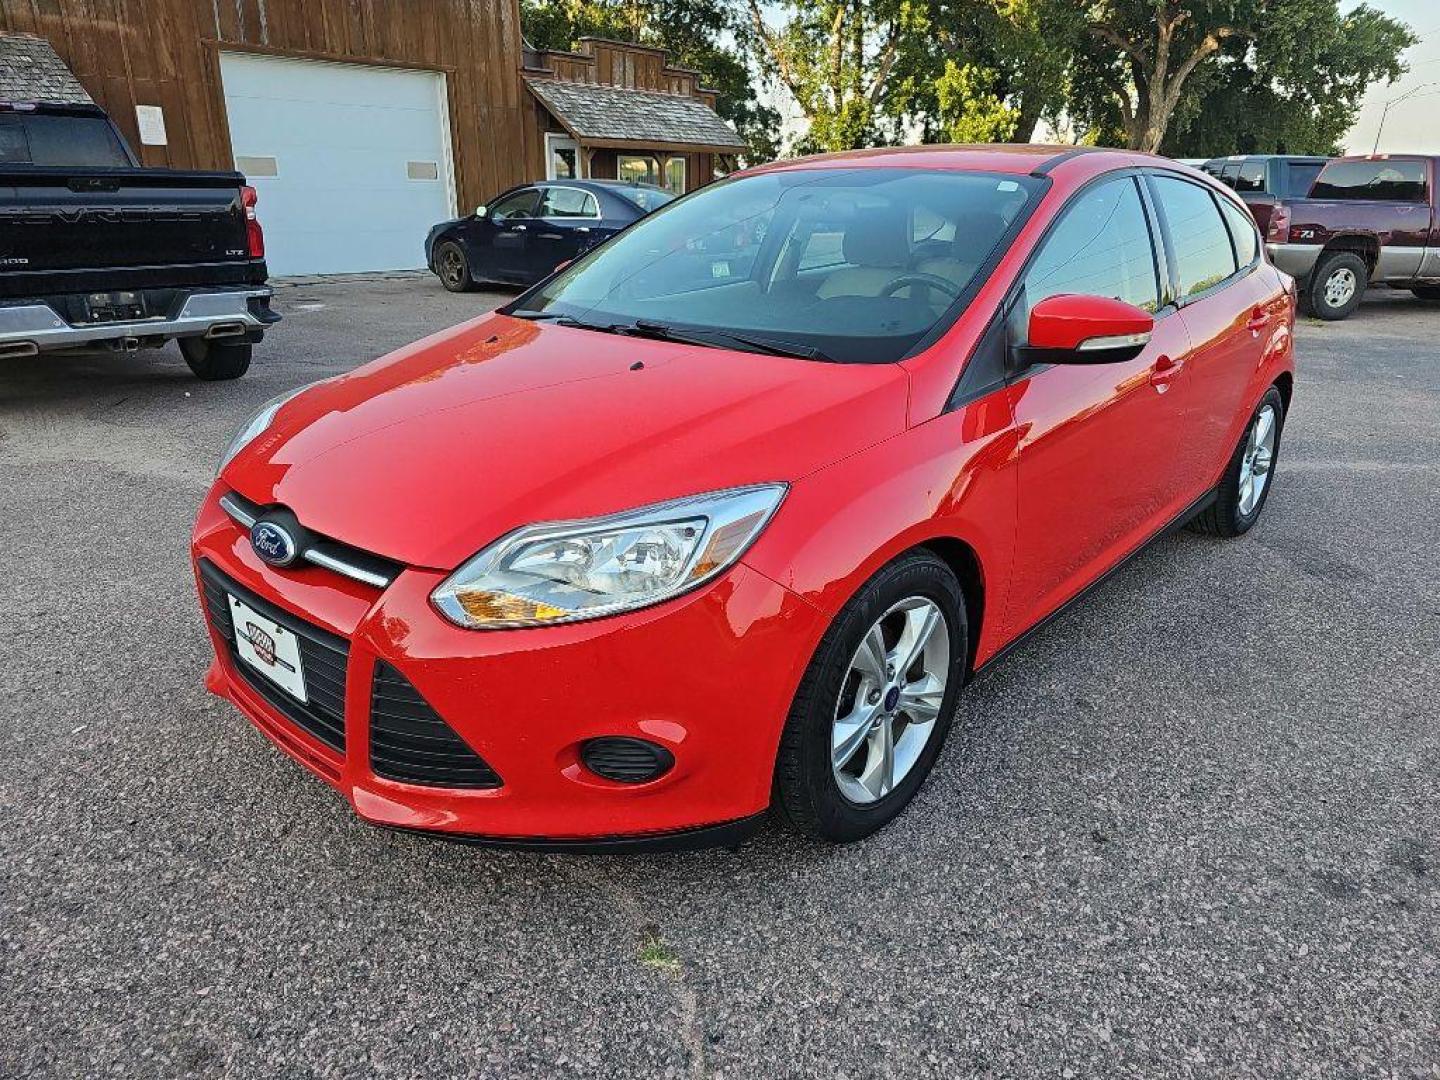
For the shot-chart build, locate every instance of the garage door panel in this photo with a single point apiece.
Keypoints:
(342, 136)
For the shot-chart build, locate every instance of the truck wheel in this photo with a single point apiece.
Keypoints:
(1427, 292)
(453, 268)
(1337, 285)
(214, 360)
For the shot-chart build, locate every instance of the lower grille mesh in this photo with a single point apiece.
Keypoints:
(409, 742)
(323, 657)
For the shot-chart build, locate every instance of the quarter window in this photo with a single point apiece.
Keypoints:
(1203, 254)
(1242, 230)
(566, 202)
(519, 205)
(1101, 247)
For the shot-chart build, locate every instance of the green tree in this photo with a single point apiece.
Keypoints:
(836, 58)
(693, 32)
(1145, 64)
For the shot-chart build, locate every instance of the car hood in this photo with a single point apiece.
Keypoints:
(427, 455)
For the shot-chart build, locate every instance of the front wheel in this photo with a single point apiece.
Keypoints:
(453, 267)
(213, 360)
(1338, 285)
(875, 704)
(1246, 483)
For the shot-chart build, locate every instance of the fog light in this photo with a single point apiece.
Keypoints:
(626, 760)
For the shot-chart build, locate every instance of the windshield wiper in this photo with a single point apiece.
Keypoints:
(721, 339)
(707, 338)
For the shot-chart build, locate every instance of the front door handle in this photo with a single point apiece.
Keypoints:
(519, 228)
(1164, 372)
(582, 228)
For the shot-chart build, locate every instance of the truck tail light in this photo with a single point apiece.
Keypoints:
(254, 235)
(1277, 231)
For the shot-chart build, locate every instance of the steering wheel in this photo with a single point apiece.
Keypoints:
(931, 281)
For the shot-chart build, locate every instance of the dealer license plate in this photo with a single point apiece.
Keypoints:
(269, 648)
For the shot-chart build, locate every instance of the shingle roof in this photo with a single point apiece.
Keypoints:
(30, 70)
(615, 113)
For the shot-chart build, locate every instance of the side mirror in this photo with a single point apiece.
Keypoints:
(1070, 329)
(480, 210)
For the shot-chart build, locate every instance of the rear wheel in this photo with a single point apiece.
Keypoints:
(1337, 285)
(214, 359)
(1427, 292)
(875, 704)
(453, 267)
(1246, 483)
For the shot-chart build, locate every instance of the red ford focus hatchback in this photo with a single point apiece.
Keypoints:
(722, 517)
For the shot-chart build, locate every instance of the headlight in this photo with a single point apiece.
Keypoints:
(258, 423)
(568, 571)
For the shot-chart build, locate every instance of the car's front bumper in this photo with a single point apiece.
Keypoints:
(709, 676)
(30, 327)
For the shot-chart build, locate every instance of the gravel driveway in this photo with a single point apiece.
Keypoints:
(1192, 828)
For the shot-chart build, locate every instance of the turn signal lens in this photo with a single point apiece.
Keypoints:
(568, 571)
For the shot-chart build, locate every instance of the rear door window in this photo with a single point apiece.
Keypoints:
(1203, 255)
(1251, 176)
(567, 202)
(1381, 180)
(1101, 247)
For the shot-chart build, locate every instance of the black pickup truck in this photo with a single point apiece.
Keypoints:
(97, 252)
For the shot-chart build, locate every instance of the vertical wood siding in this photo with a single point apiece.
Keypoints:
(166, 53)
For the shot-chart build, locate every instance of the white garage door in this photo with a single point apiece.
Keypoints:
(351, 163)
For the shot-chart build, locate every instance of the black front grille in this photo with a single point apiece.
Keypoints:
(409, 741)
(323, 657)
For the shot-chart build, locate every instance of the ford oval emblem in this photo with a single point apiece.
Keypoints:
(273, 543)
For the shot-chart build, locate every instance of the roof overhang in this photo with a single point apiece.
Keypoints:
(600, 116)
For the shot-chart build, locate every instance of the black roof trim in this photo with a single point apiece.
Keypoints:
(1045, 169)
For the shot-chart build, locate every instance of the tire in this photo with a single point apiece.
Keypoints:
(902, 596)
(1427, 292)
(1229, 515)
(453, 267)
(215, 360)
(1337, 286)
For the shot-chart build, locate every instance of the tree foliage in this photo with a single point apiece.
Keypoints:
(697, 34)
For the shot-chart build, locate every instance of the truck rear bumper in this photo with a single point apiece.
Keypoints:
(27, 328)
(1297, 260)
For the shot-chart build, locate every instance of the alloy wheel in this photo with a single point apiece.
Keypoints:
(1257, 460)
(890, 700)
(452, 267)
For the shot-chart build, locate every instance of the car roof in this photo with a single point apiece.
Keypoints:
(1018, 158)
(602, 185)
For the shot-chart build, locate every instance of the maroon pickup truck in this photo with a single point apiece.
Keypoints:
(1367, 221)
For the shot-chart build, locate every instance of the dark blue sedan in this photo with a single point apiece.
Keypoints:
(527, 232)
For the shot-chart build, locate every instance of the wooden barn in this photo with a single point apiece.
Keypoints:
(362, 122)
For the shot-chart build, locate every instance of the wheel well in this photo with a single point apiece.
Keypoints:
(961, 559)
(1367, 247)
(1285, 383)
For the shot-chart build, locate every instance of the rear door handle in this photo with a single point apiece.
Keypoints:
(1164, 372)
(1259, 318)
(519, 228)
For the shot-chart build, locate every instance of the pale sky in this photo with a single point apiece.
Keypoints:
(1413, 124)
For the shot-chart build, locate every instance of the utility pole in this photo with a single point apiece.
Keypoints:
(1386, 111)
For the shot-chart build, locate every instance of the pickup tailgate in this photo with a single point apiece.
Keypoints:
(73, 229)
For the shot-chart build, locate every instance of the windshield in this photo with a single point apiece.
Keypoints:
(857, 265)
(647, 198)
